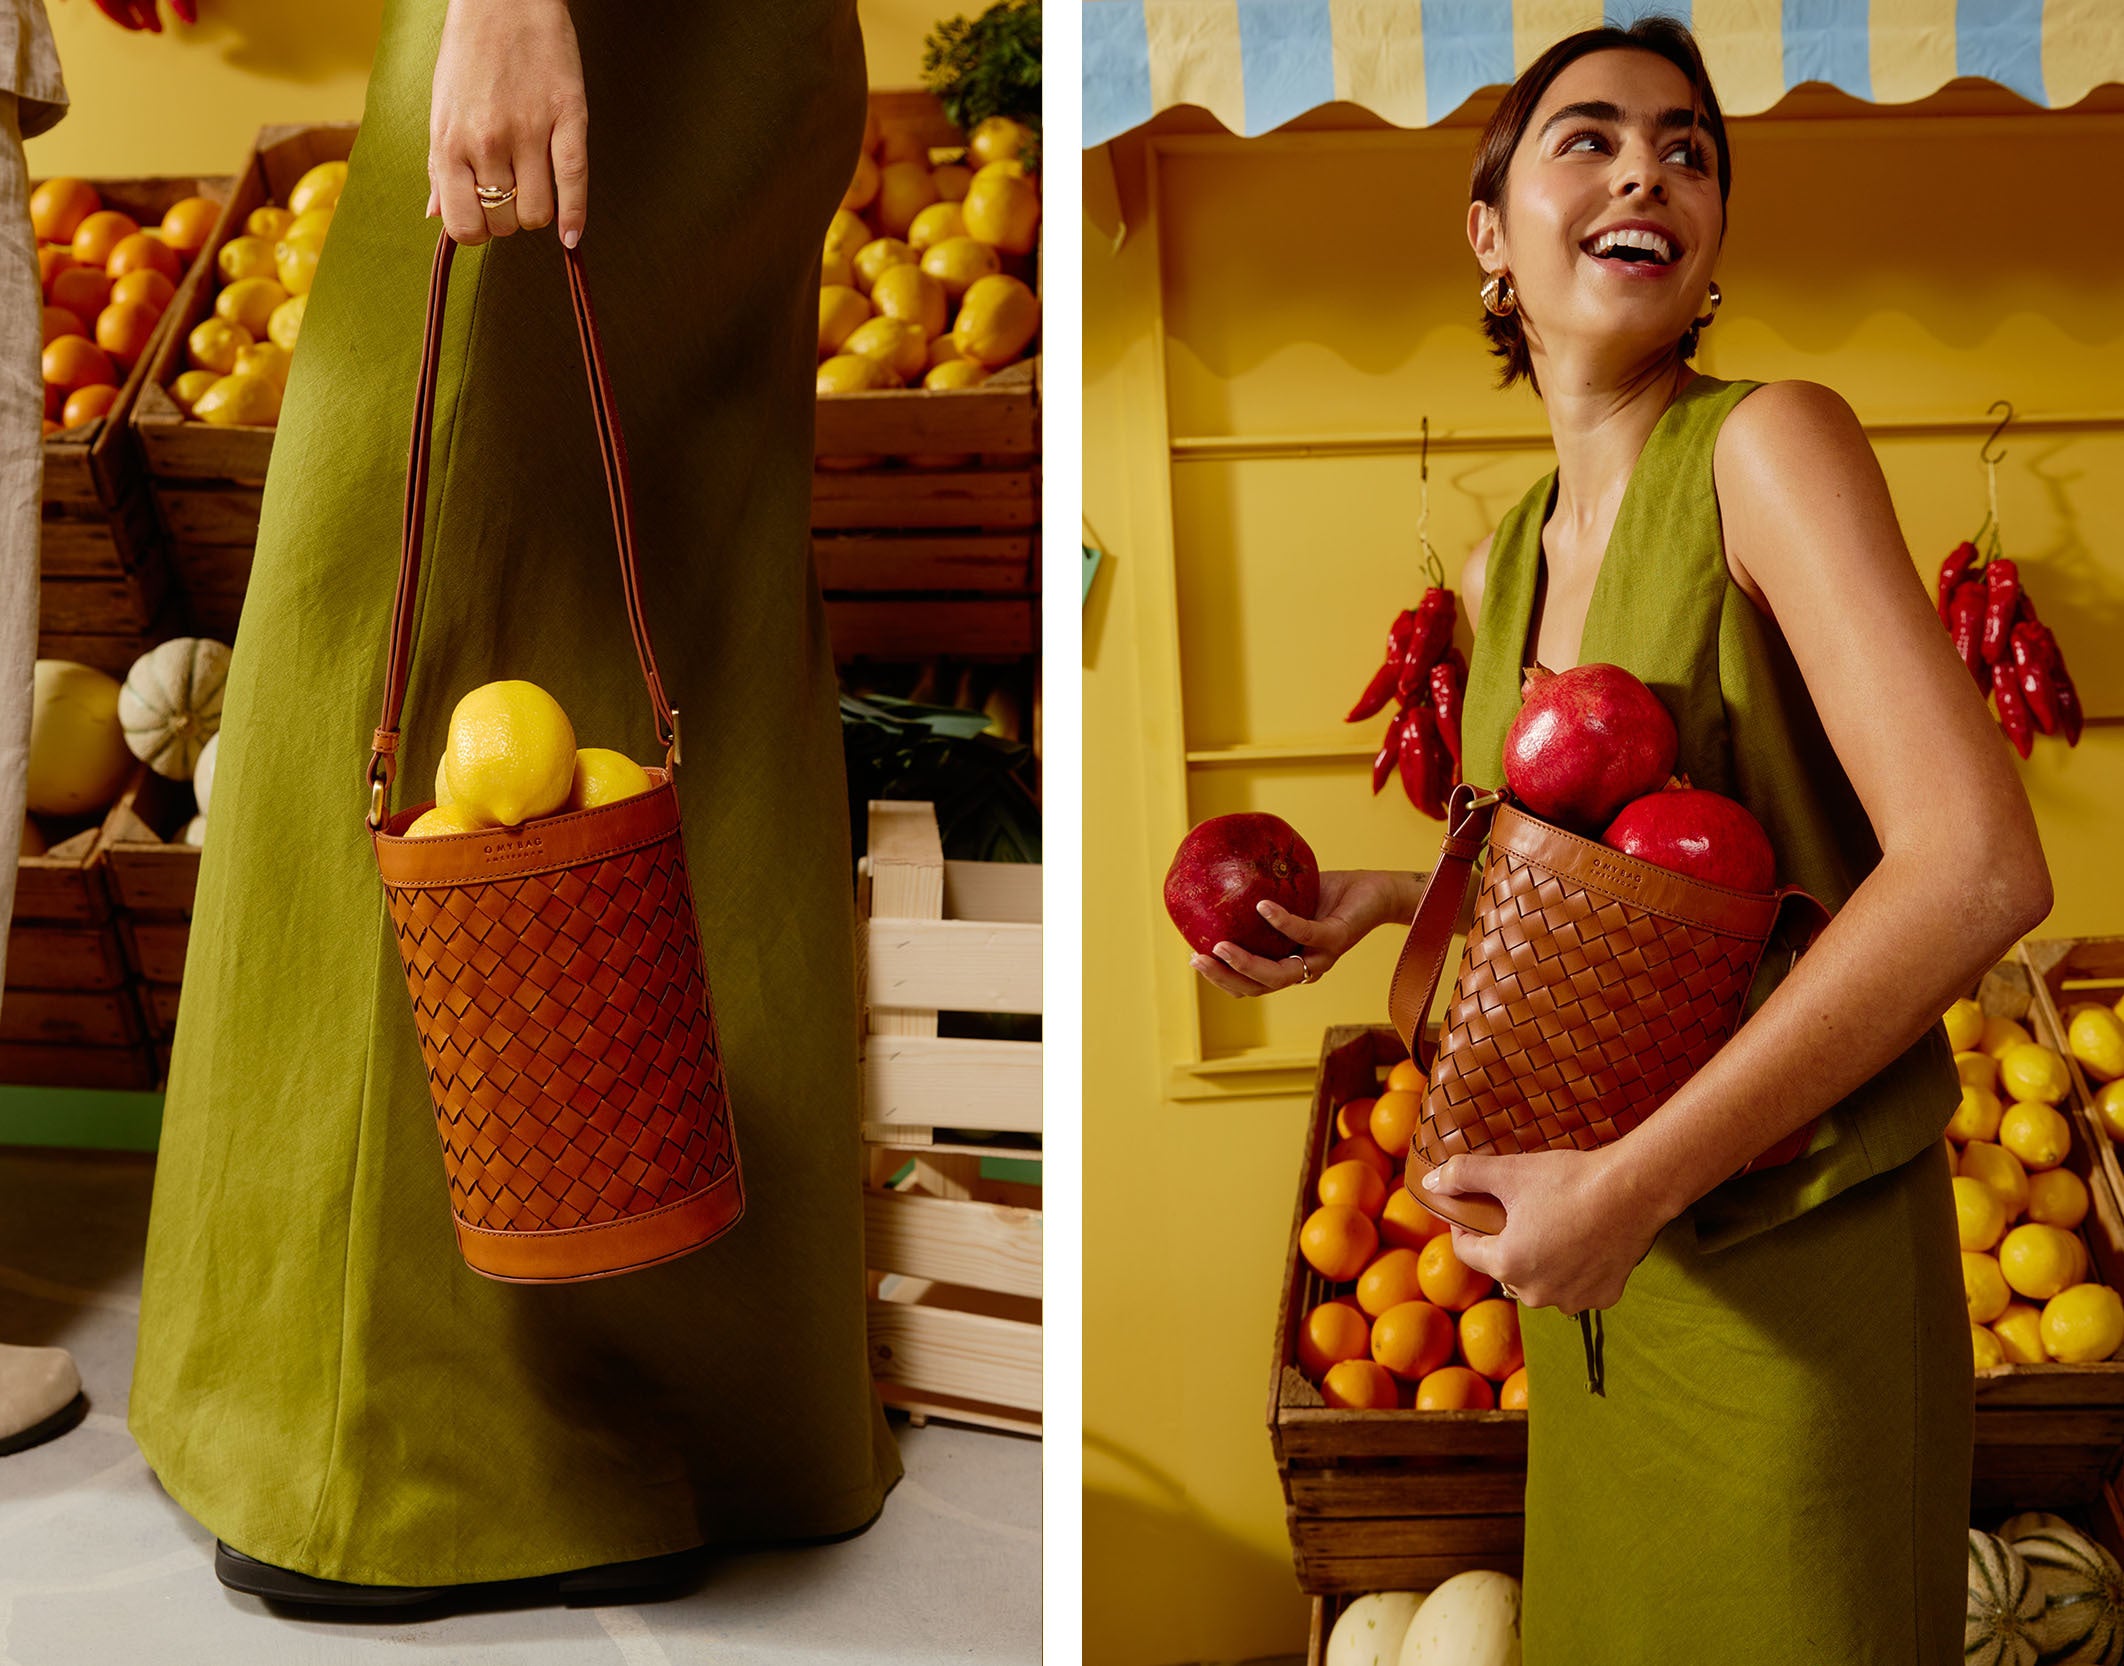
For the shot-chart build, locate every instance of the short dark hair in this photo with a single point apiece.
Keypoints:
(1663, 36)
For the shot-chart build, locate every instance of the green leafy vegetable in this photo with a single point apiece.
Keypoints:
(989, 66)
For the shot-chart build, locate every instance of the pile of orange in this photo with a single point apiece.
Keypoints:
(923, 280)
(1418, 1329)
(106, 281)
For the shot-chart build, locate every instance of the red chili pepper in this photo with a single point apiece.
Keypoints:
(2070, 717)
(1951, 571)
(1438, 779)
(2002, 588)
(2033, 661)
(1389, 750)
(1374, 697)
(2013, 715)
(1419, 740)
(1432, 636)
(1965, 624)
(1448, 686)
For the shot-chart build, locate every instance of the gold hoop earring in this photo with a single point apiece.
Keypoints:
(1498, 297)
(1704, 323)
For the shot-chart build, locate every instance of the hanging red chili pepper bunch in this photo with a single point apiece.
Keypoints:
(2008, 650)
(1428, 676)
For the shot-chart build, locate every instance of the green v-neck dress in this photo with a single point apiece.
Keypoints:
(1778, 1470)
(321, 1381)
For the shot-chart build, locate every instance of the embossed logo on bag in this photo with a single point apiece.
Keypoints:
(1611, 873)
(502, 852)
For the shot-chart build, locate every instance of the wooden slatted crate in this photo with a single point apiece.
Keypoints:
(954, 1257)
(2067, 972)
(154, 876)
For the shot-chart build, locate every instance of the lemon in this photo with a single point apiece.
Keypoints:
(319, 188)
(1002, 208)
(246, 257)
(958, 263)
(603, 776)
(904, 190)
(445, 818)
(264, 359)
(270, 222)
(249, 302)
(2035, 1133)
(247, 400)
(190, 385)
(846, 234)
(214, 343)
(2109, 1108)
(511, 751)
(2096, 1039)
(1978, 1070)
(1976, 1117)
(874, 257)
(1965, 1025)
(955, 373)
(2079, 1259)
(1984, 1287)
(1999, 1169)
(295, 261)
(841, 309)
(892, 341)
(836, 268)
(443, 795)
(1978, 1214)
(2083, 1324)
(997, 139)
(935, 223)
(997, 318)
(286, 323)
(2037, 1261)
(943, 350)
(951, 180)
(856, 373)
(2020, 1334)
(314, 222)
(1986, 1345)
(909, 292)
(2000, 1034)
(2057, 1197)
(2033, 1071)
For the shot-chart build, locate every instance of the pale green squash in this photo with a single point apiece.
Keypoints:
(2004, 1606)
(2082, 1588)
(170, 706)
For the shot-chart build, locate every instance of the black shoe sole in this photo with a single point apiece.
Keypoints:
(261, 1579)
(642, 1577)
(50, 1429)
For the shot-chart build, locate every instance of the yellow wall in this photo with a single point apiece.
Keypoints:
(1319, 286)
(191, 100)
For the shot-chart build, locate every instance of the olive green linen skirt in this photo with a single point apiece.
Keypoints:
(1778, 1471)
(321, 1381)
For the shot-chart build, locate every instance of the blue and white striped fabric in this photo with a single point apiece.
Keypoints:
(1255, 64)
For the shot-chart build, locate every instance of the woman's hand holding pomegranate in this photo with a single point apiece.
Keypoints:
(1352, 902)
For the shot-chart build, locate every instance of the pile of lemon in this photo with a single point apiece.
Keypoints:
(2017, 1211)
(510, 757)
(239, 357)
(917, 293)
(106, 282)
(1419, 1328)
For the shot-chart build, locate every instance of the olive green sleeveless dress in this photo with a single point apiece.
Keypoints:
(321, 1381)
(1778, 1468)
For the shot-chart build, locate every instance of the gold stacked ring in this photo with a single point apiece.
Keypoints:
(493, 196)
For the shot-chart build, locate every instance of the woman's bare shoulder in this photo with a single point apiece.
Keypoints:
(1779, 427)
(1786, 441)
(1472, 573)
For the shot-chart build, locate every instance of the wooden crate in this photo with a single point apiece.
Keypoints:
(153, 876)
(2067, 972)
(207, 481)
(954, 1258)
(104, 571)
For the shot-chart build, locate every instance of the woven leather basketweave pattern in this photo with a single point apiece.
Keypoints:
(569, 1039)
(1574, 1016)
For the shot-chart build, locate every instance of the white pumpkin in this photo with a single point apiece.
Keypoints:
(2082, 1590)
(194, 832)
(1470, 1620)
(78, 760)
(1370, 1631)
(171, 703)
(203, 771)
(2004, 1606)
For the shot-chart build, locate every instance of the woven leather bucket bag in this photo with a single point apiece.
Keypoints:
(1592, 987)
(555, 968)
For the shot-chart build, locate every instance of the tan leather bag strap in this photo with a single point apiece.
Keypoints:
(612, 451)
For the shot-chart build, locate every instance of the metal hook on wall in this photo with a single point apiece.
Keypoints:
(1984, 450)
(1434, 569)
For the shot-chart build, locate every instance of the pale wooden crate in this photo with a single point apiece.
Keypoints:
(953, 1258)
(2066, 972)
(154, 876)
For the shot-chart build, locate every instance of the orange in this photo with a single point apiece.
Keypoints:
(59, 322)
(76, 362)
(863, 186)
(1446, 1279)
(53, 259)
(123, 329)
(142, 253)
(188, 224)
(1333, 1332)
(1337, 1241)
(83, 290)
(1489, 1338)
(1355, 1117)
(87, 404)
(1406, 1223)
(1394, 1116)
(1365, 1147)
(58, 206)
(100, 233)
(1355, 1182)
(1405, 1077)
(1360, 1385)
(1412, 1339)
(146, 287)
(1389, 1281)
(1513, 1395)
(1455, 1388)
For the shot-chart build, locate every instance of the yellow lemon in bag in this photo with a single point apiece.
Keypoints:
(511, 752)
(1965, 1025)
(443, 795)
(445, 818)
(2033, 1071)
(603, 776)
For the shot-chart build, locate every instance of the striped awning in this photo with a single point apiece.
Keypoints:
(1255, 64)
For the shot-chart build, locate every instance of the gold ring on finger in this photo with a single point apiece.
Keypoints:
(493, 196)
(1305, 972)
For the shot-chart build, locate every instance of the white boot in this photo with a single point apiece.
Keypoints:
(40, 1395)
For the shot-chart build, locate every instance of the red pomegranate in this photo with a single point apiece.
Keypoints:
(1705, 835)
(1227, 864)
(1586, 742)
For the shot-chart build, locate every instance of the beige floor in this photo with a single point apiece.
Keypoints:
(99, 1568)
